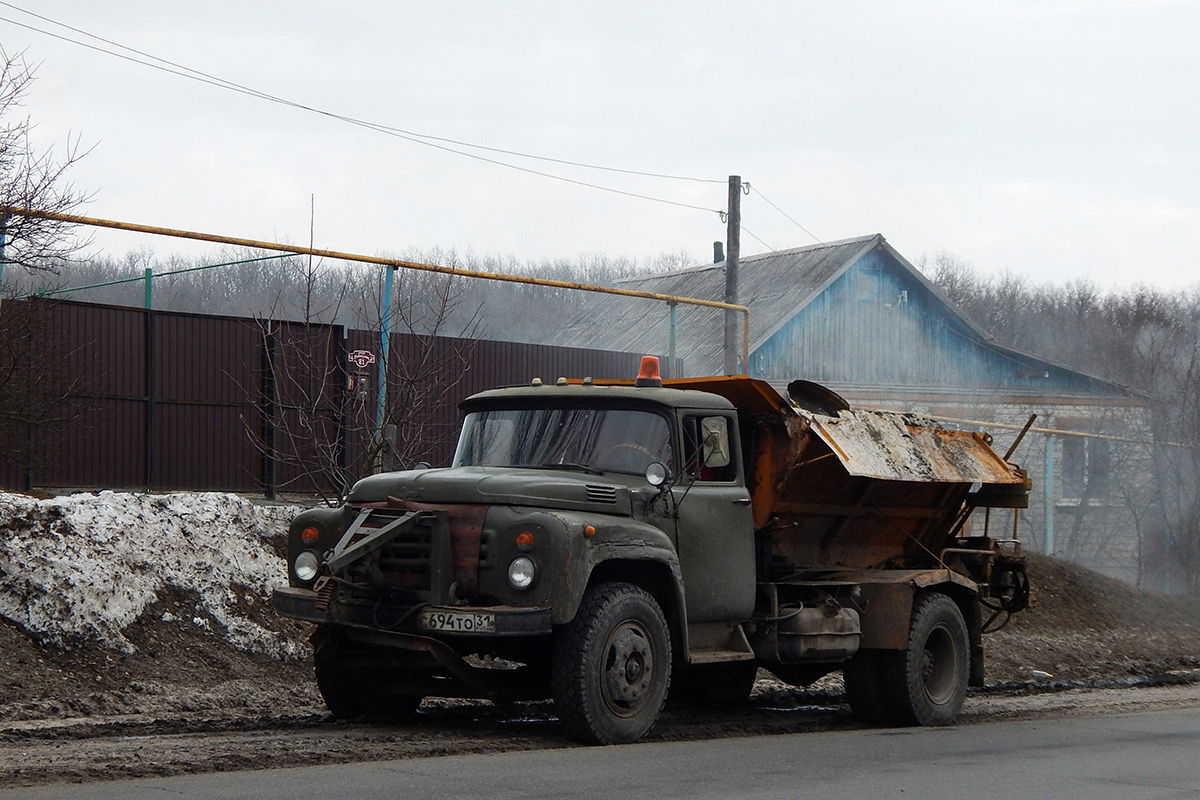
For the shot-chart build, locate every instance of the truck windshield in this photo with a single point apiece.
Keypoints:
(608, 440)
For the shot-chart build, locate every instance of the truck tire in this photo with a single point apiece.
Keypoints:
(863, 675)
(926, 683)
(612, 665)
(346, 691)
(336, 683)
(726, 684)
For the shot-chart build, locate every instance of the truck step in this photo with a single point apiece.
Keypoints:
(718, 656)
(716, 642)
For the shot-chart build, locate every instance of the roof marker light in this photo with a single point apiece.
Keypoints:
(649, 374)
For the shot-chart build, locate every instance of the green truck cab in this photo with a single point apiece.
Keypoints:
(602, 544)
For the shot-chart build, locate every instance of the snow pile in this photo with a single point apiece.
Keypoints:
(87, 565)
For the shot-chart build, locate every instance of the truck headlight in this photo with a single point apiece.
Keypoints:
(306, 566)
(522, 572)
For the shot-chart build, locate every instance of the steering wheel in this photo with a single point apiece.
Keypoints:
(632, 446)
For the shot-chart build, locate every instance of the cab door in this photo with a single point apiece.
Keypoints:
(714, 522)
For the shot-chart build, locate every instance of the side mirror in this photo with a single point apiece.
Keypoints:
(715, 438)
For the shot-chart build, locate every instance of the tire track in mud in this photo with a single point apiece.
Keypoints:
(145, 745)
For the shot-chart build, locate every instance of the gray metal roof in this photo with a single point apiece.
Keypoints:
(774, 285)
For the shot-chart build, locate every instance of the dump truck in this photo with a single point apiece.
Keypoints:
(605, 543)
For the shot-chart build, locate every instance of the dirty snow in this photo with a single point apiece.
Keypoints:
(86, 566)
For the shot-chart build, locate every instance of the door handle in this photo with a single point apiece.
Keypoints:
(742, 501)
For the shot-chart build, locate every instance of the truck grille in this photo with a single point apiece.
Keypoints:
(404, 561)
(601, 494)
(432, 557)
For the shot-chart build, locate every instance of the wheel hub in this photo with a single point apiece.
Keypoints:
(628, 667)
(926, 666)
(937, 666)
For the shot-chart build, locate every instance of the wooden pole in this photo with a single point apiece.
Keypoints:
(733, 246)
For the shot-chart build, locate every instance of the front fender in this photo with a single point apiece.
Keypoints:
(625, 550)
(567, 548)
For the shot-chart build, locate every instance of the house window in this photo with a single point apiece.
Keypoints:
(1086, 467)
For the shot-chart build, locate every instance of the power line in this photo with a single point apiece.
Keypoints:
(411, 136)
(760, 241)
(781, 211)
(427, 140)
(142, 279)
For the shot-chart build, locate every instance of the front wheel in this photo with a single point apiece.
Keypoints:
(926, 683)
(339, 688)
(612, 665)
(348, 691)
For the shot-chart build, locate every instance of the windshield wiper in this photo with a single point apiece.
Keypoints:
(569, 465)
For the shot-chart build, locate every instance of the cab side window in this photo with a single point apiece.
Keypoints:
(708, 448)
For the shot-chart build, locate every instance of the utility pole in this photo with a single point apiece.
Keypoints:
(733, 247)
(385, 340)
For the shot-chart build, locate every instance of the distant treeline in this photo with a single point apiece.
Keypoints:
(1145, 338)
(257, 284)
(1138, 337)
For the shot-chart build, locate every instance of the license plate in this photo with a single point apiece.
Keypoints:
(454, 621)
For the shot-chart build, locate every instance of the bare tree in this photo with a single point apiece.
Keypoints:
(425, 367)
(1143, 338)
(303, 399)
(30, 179)
(322, 425)
(37, 396)
(1170, 364)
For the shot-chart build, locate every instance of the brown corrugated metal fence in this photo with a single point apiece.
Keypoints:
(166, 400)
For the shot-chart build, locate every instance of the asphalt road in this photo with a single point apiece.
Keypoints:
(1119, 756)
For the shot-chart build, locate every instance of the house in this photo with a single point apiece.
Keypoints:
(856, 316)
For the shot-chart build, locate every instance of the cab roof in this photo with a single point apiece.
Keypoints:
(599, 392)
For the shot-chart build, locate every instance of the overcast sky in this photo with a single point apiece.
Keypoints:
(1056, 140)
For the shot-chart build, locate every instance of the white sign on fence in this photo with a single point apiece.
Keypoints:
(361, 358)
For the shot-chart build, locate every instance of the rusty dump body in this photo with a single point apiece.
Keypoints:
(840, 488)
(878, 501)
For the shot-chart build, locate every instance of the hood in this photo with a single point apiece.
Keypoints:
(508, 486)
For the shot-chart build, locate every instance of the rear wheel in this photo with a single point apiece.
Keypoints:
(612, 665)
(927, 682)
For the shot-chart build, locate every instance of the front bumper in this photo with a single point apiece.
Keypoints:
(305, 604)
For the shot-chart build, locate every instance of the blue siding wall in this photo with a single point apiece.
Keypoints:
(877, 325)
